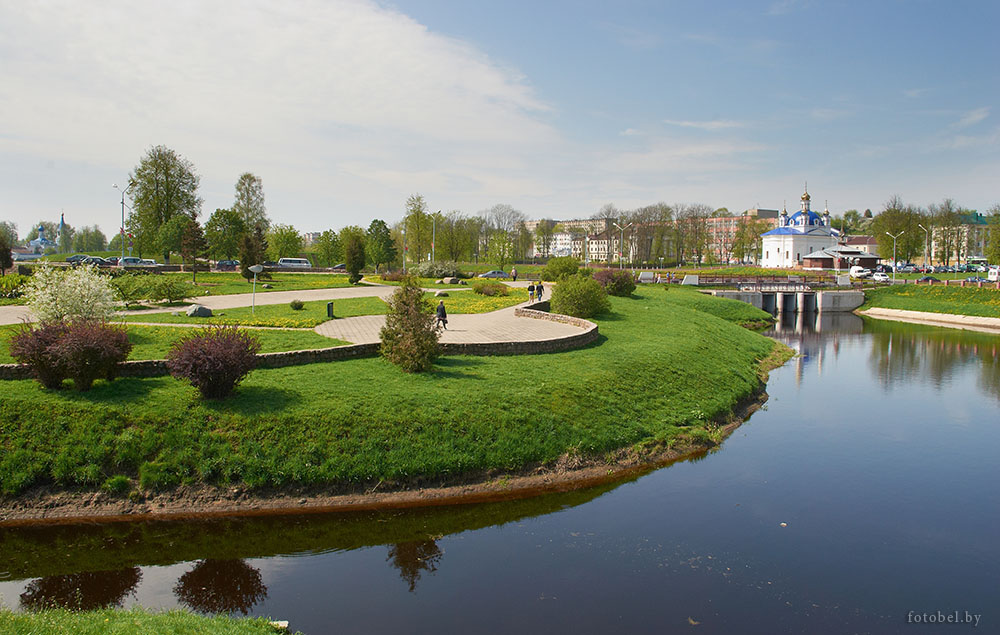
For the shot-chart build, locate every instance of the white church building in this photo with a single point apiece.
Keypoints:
(795, 236)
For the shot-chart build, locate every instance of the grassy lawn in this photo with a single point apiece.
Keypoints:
(153, 342)
(281, 315)
(658, 376)
(426, 283)
(936, 299)
(472, 302)
(126, 622)
(228, 283)
(730, 310)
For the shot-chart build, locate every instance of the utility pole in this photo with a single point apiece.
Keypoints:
(894, 253)
(621, 245)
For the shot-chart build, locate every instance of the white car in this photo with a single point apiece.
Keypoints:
(880, 276)
(294, 262)
(857, 271)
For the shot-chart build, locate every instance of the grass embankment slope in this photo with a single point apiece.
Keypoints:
(133, 621)
(661, 376)
(935, 299)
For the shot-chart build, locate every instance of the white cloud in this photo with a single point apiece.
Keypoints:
(716, 124)
(972, 117)
(629, 132)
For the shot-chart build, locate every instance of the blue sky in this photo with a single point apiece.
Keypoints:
(346, 108)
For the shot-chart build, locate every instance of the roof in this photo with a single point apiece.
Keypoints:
(841, 252)
(800, 230)
(861, 240)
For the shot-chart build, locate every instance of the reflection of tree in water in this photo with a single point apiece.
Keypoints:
(81, 591)
(413, 557)
(221, 586)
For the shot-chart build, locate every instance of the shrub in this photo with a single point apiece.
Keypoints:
(214, 359)
(579, 297)
(490, 288)
(169, 288)
(130, 288)
(616, 281)
(297, 305)
(78, 294)
(439, 269)
(559, 268)
(12, 286)
(34, 348)
(409, 337)
(117, 485)
(88, 350)
(393, 276)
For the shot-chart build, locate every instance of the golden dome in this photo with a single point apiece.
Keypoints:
(806, 197)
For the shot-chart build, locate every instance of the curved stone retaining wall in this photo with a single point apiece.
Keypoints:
(589, 333)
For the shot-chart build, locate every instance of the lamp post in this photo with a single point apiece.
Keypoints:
(927, 239)
(621, 245)
(894, 253)
(121, 229)
(253, 296)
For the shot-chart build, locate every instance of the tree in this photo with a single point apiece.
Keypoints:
(9, 230)
(504, 218)
(253, 248)
(747, 242)
(946, 229)
(193, 246)
(328, 248)
(89, 239)
(992, 253)
(894, 218)
(163, 186)
(379, 245)
(6, 258)
(544, 232)
(224, 231)
(410, 337)
(284, 240)
(65, 238)
(416, 229)
(51, 231)
(500, 249)
(354, 256)
(249, 202)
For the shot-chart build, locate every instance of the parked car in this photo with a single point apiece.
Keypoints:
(928, 279)
(976, 279)
(496, 273)
(75, 258)
(130, 261)
(909, 269)
(113, 260)
(227, 265)
(146, 262)
(294, 262)
(857, 271)
(96, 261)
(880, 276)
(339, 267)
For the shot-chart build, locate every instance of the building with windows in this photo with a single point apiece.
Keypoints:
(802, 233)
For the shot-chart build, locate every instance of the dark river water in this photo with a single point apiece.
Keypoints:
(863, 498)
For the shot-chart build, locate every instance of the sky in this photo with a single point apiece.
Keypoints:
(345, 108)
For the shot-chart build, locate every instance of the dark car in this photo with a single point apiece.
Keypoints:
(976, 279)
(928, 279)
(113, 260)
(227, 265)
(96, 261)
(339, 267)
(496, 273)
(76, 258)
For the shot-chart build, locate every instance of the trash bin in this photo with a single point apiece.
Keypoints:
(329, 309)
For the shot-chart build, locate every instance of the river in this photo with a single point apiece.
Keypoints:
(862, 498)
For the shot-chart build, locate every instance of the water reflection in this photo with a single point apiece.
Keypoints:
(81, 591)
(414, 557)
(221, 586)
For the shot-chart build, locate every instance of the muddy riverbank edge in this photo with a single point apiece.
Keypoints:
(569, 472)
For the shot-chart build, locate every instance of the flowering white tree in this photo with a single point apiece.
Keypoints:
(78, 294)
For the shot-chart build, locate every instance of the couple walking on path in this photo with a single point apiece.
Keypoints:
(535, 290)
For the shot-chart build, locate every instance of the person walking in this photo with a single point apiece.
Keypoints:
(513, 274)
(442, 316)
(531, 292)
(538, 291)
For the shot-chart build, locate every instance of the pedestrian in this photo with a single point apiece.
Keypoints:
(442, 316)
(538, 291)
(513, 274)
(531, 292)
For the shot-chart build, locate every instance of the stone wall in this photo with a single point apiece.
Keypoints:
(588, 334)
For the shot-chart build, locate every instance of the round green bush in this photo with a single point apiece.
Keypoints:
(297, 305)
(490, 288)
(559, 268)
(580, 297)
(616, 281)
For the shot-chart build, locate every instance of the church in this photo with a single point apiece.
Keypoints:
(795, 236)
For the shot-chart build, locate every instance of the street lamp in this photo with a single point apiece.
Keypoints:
(621, 245)
(927, 239)
(121, 230)
(253, 297)
(894, 253)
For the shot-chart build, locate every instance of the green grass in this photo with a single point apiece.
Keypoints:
(730, 310)
(229, 283)
(136, 621)
(983, 302)
(425, 283)
(660, 374)
(472, 302)
(153, 342)
(280, 315)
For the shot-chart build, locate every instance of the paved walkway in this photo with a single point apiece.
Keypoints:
(966, 322)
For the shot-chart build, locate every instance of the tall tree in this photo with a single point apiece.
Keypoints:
(6, 258)
(946, 229)
(992, 252)
(900, 220)
(284, 240)
(163, 186)
(544, 232)
(328, 248)
(224, 231)
(500, 248)
(89, 238)
(354, 255)
(417, 229)
(379, 245)
(249, 202)
(170, 235)
(9, 229)
(504, 218)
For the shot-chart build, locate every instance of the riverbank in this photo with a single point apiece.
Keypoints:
(965, 322)
(660, 384)
(136, 620)
(969, 308)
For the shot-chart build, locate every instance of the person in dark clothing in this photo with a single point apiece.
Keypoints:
(442, 316)
(531, 292)
(538, 291)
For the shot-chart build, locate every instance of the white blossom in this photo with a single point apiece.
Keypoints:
(77, 294)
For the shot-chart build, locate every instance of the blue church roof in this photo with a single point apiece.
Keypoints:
(812, 219)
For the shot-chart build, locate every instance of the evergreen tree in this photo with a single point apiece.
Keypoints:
(253, 248)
